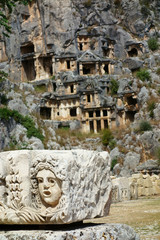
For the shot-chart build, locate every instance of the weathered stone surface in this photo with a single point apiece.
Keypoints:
(123, 189)
(157, 112)
(150, 140)
(5, 128)
(149, 165)
(143, 95)
(18, 105)
(133, 63)
(53, 186)
(131, 160)
(137, 185)
(105, 231)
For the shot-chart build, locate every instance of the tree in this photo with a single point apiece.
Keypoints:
(8, 5)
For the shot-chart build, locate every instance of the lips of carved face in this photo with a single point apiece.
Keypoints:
(47, 193)
(49, 187)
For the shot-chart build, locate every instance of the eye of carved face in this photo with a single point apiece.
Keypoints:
(49, 187)
(51, 180)
(40, 180)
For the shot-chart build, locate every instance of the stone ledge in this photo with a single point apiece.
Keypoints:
(96, 232)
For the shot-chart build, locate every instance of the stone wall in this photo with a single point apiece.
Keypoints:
(138, 185)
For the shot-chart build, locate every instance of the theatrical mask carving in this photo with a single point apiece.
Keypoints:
(53, 187)
(49, 187)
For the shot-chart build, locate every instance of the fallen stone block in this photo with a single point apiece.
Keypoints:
(45, 186)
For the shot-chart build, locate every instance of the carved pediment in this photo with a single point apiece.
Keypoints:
(90, 84)
(88, 56)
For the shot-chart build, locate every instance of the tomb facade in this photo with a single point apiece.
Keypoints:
(76, 67)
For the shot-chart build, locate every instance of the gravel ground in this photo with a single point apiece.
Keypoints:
(142, 214)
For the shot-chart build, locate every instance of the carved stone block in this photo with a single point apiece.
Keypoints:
(45, 186)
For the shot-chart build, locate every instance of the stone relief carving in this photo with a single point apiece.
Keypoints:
(53, 186)
(47, 188)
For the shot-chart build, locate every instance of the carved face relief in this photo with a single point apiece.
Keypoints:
(49, 187)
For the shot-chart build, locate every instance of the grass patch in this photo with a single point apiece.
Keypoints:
(158, 71)
(107, 137)
(65, 132)
(143, 75)
(40, 88)
(151, 107)
(153, 44)
(74, 136)
(144, 126)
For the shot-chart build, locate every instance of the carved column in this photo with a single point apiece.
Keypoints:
(95, 126)
(52, 113)
(53, 65)
(37, 68)
(80, 69)
(97, 68)
(102, 120)
(109, 119)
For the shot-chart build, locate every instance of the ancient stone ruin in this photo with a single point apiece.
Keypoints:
(56, 187)
(74, 61)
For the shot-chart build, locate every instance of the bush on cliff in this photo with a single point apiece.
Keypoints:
(143, 75)
(153, 44)
(145, 126)
(107, 137)
(26, 121)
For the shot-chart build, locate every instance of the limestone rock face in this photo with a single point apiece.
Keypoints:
(43, 186)
(105, 231)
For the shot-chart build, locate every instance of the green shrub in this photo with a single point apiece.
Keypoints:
(114, 85)
(5, 114)
(3, 99)
(107, 137)
(40, 88)
(143, 75)
(3, 76)
(112, 144)
(27, 122)
(145, 11)
(144, 126)
(88, 3)
(113, 163)
(117, 2)
(153, 44)
(158, 71)
(151, 107)
(53, 77)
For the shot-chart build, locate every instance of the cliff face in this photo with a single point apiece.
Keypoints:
(52, 27)
(73, 64)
